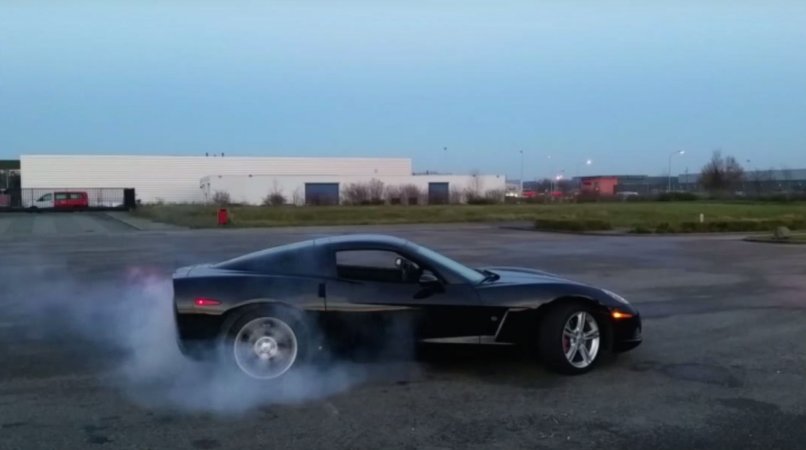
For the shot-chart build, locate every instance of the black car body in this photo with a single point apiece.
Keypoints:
(399, 289)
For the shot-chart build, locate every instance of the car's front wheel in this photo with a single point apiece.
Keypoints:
(570, 338)
(265, 345)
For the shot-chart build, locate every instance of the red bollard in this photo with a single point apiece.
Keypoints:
(223, 217)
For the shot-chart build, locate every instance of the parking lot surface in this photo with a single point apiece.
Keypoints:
(87, 358)
(23, 224)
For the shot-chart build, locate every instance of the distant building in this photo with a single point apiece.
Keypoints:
(757, 181)
(604, 186)
(197, 179)
(9, 174)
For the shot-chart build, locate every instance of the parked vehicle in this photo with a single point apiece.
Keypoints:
(62, 200)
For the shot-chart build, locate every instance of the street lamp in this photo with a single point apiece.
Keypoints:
(557, 179)
(521, 181)
(669, 179)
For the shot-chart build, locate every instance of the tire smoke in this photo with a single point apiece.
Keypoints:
(128, 324)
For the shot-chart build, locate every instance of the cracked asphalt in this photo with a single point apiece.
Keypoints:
(723, 363)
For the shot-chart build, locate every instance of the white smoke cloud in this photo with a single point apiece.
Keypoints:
(130, 322)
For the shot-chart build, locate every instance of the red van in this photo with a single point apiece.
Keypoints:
(63, 200)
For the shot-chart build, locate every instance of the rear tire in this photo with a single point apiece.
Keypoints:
(571, 338)
(267, 343)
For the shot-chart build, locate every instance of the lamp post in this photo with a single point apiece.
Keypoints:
(521, 180)
(669, 178)
(588, 162)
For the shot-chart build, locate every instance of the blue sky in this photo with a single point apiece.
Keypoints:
(622, 83)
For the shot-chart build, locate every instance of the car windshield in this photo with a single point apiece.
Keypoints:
(469, 274)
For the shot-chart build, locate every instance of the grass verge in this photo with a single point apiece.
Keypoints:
(624, 216)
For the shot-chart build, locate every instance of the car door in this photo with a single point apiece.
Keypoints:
(371, 298)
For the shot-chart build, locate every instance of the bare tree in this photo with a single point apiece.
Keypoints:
(456, 196)
(376, 191)
(393, 195)
(721, 174)
(296, 197)
(786, 175)
(494, 196)
(221, 198)
(410, 194)
(356, 194)
(275, 197)
(475, 187)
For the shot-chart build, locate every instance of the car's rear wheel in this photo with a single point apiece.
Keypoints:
(266, 344)
(570, 339)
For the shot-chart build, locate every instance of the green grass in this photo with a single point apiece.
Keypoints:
(619, 215)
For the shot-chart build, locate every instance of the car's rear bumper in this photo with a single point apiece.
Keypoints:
(627, 334)
(196, 334)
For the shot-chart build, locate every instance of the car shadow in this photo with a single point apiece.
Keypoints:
(494, 364)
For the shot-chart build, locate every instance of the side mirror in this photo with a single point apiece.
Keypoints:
(429, 285)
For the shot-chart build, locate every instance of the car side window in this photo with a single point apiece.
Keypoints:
(62, 196)
(375, 265)
(45, 198)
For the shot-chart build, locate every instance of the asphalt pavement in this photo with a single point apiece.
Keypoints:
(87, 358)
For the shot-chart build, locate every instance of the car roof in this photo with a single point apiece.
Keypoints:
(361, 239)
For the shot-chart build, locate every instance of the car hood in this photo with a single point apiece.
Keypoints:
(521, 275)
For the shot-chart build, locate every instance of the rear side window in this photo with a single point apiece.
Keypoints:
(76, 196)
(380, 259)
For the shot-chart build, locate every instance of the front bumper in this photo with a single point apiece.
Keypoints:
(627, 333)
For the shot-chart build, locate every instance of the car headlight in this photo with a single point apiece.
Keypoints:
(616, 296)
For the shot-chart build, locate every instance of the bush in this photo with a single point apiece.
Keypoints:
(641, 229)
(410, 194)
(356, 194)
(274, 199)
(376, 190)
(221, 198)
(588, 197)
(572, 225)
(677, 197)
(481, 201)
(456, 196)
(664, 227)
(495, 195)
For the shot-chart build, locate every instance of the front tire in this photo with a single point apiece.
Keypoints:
(266, 344)
(570, 338)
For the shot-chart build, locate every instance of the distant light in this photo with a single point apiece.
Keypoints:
(682, 152)
(589, 162)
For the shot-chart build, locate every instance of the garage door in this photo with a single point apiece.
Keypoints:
(438, 193)
(321, 193)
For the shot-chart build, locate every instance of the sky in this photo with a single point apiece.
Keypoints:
(493, 86)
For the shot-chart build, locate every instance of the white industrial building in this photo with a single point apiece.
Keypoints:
(195, 179)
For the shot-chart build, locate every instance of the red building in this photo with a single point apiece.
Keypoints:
(602, 186)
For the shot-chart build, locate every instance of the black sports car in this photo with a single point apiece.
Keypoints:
(267, 311)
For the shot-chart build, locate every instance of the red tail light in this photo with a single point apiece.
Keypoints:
(203, 301)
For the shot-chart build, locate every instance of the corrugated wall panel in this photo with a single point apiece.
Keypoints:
(252, 190)
(177, 178)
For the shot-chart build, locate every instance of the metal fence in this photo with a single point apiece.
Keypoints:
(43, 198)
